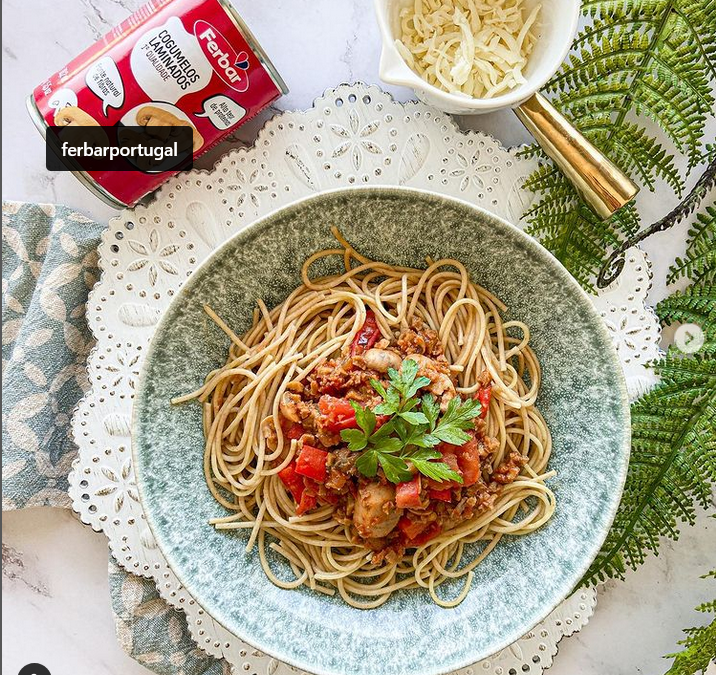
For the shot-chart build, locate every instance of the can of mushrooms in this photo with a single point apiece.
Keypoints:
(172, 63)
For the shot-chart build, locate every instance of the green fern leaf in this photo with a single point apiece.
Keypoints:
(699, 644)
(568, 228)
(639, 61)
(699, 264)
(697, 305)
(673, 463)
(699, 650)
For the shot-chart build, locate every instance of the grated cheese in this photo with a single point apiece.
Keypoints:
(474, 47)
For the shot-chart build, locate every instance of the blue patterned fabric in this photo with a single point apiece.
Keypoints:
(154, 633)
(49, 258)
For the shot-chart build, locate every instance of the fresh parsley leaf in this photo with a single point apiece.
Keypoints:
(408, 405)
(378, 387)
(414, 417)
(401, 428)
(408, 371)
(425, 454)
(365, 418)
(405, 381)
(384, 431)
(416, 385)
(391, 403)
(389, 445)
(355, 438)
(385, 409)
(436, 470)
(413, 435)
(395, 379)
(451, 435)
(431, 409)
(367, 463)
(461, 414)
(429, 441)
(414, 429)
(394, 468)
(418, 438)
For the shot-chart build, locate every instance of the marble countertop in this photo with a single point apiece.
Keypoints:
(54, 584)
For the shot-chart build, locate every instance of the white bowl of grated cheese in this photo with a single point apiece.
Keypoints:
(474, 56)
(469, 57)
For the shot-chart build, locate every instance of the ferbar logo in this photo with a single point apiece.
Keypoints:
(229, 65)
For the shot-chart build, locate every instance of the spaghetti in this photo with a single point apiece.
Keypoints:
(276, 415)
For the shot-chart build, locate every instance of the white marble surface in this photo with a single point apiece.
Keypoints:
(55, 592)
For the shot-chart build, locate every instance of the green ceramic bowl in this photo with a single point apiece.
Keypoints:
(583, 399)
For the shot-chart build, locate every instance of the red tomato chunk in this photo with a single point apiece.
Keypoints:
(307, 503)
(367, 336)
(337, 414)
(441, 495)
(292, 481)
(311, 462)
(484, 395)
(407, 494)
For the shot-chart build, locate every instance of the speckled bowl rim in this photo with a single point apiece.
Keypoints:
(542, 256)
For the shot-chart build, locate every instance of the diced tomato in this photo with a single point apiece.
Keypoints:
(292, 481)
(417, 534)
(468, 458)
(441, 495)
(407, 494)
(484, 395)
(367, 336)
(311, 462)
(338, 414)
(450, 458)
(465, 459)
(409, 528)
(430, 532)
(291, 430)
(308, 502)
(329, 497)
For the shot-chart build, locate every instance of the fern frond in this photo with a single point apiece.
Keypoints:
(642, 156)
(569, 229)
(699, 650)
(699, 264)
(636, 60)
(699, 644)
(697, 305)
(615, 7)
(673, 463)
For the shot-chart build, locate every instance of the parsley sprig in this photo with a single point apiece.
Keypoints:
(414, 429)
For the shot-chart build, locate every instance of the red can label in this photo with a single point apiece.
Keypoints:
(173, 62)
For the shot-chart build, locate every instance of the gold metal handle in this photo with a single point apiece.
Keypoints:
(597, 179)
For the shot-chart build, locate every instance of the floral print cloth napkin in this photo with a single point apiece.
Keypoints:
(153, 632)
(49, 265)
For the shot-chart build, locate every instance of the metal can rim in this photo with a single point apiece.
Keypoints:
(84, 178)
(255, 45)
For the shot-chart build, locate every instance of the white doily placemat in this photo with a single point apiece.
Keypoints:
(353, 135)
